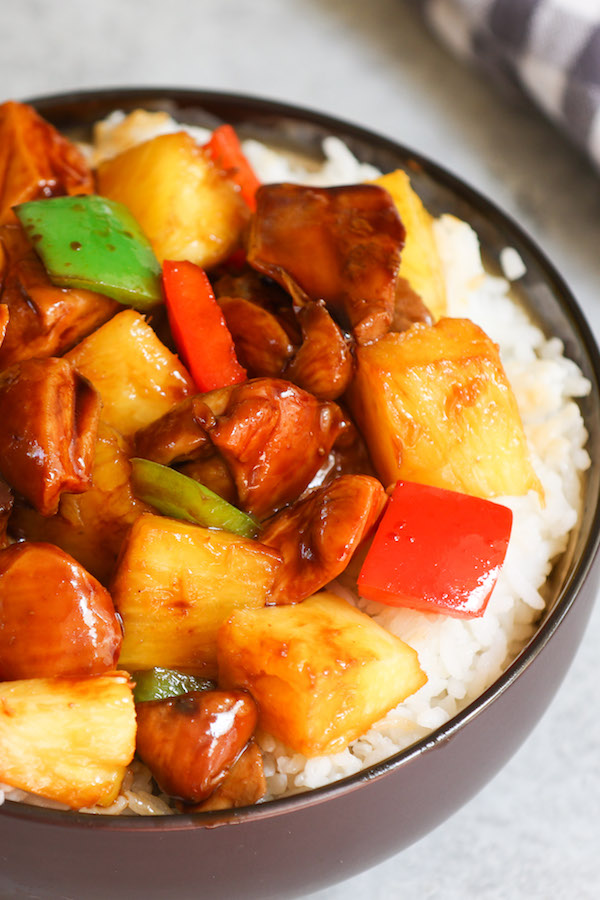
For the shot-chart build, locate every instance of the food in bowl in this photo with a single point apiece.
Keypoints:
(414, 377)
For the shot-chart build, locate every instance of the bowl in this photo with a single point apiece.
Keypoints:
(292, 846)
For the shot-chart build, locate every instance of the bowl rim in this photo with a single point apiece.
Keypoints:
(569, 591)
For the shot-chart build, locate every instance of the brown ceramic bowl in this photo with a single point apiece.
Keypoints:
(293, 846)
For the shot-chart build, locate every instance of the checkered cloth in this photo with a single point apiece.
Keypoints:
(549, 49)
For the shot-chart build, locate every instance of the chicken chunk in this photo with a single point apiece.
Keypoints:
(41, 319)
(262, 345)
(274, 437)
(189, 742)
(35, 160)
(317, 536)
(67, 627)
(178, 436)
(341, 245)
(48, 425)
(323, 365)
(90, 526)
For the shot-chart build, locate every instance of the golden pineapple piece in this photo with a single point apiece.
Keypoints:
(176, 583)
(186, 206)
(67, 739)
(90, 526)
(322, 671)
(420, 263)
(137, 377)
(435, 406)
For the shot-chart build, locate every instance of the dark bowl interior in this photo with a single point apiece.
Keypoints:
(292, 846)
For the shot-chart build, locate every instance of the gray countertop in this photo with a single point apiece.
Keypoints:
(534, 831)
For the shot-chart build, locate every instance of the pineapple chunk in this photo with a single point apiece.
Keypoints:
(90, 526)
(421, 264)
(137, 377)
(322, 672)
(187, 207)
(176, 583)
(435, 406)
(67, 739)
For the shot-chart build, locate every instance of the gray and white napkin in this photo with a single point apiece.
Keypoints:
(548, 49)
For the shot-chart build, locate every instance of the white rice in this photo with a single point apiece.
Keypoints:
(460, 657)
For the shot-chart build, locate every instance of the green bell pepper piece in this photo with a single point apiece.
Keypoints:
(179, 496)
(94, 243)
(160, 683)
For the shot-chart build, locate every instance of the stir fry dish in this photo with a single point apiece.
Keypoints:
(218, 396)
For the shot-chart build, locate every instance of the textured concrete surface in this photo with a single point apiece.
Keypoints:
(534, 832)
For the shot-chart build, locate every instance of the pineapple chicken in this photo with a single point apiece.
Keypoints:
(67, 739)
(186, 206)
(126, 352)
(176, 583)
(337, 301)
(435, 407)
(322, 672)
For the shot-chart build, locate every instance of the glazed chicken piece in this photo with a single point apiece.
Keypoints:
(4, 311)
(41, 319)
(320, 361)
(261, 291)
(90, 526)
(48, 425)
(262, 345)
(178, 436)
(318, 535)
(323, 365)
(189, 742)
(55, 618)
(274, 437)
(409, 307)
(6, 506)
(36, 161)
(182, 438)
(244, 784)
(348, 456)
(341, 245)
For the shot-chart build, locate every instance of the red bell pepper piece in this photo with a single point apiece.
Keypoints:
(198, 326)
(437, 551)
(226, 152)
